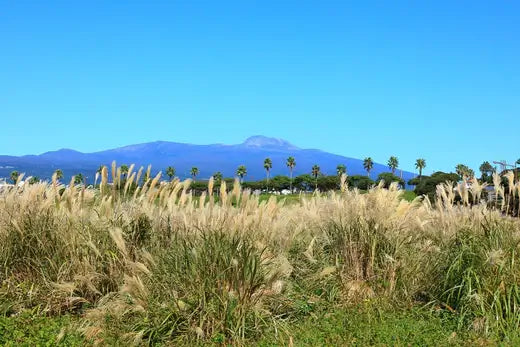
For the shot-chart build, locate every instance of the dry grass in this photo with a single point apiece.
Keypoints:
(162, 266)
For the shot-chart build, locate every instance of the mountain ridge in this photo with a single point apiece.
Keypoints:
(208, 158)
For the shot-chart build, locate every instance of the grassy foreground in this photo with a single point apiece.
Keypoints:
(154, 266)
(359, 326)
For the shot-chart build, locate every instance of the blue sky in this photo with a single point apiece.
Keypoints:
(439, 79)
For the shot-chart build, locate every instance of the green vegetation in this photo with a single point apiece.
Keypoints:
(32, 329)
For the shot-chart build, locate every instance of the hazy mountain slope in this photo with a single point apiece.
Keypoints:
(208, 158)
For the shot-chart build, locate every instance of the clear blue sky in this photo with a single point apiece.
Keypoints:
(438, 79)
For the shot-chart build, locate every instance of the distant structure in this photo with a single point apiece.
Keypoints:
(503, 165)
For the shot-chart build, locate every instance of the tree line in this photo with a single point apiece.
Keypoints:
(315, 179)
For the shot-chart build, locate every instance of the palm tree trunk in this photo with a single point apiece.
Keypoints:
(291, 180)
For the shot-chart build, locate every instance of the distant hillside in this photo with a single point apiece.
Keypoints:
(208, 158)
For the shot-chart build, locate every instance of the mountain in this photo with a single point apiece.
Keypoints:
(208, 158)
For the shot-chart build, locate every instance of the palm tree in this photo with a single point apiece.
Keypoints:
(14, 176)
(241, 172)
(291, 163)
(485, 169)
(217, 176)
(78, 179)
(170, 172)
(315, 172)
(268, 165)
(368, 164)
(341, 169)
(420, 164)
(34, 180)
(59, 174)
(464, 171)
(124, 170)
(194, 172)
(393, 163)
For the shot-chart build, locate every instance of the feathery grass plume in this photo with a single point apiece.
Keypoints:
(104, 180)
(202, 200)
(236, 190)
(69, 194)
(117, 236)
(148, 174)
(223, 196)
(184, 195)
(343, 183)
(118, 177)
(211, 183)
(499, 189)
(139, 173)
(511, 181)
(517, 187)
(152, 192)
(510, 176)
(476, 190)
(19, 179)
(129, 182)
(130, 170)
(114, 172)
(177, 186)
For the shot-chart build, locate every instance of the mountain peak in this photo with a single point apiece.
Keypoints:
(264, 141)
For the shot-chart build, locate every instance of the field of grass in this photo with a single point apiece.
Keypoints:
(159, 267)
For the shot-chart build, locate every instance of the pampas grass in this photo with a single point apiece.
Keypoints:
(154, 264)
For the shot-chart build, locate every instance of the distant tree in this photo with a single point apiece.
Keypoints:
(393, 164)
(124, 171)
(268, 165)
(388, 178)
(360, 182)
(170, 172)
(78, 179)
(304, 182)
(517, 162)
(464, 171)
(241, 172)
(217, 176)
(428, 184)
(315, 172)
(486, 169)
(420, 164)
(34, 180)
(14, 176)
(415, 181)
(341, 169)
(194, 172)
(368, 164)
(327, 183)
(59, 174)
(291, 163)
(280, 182)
